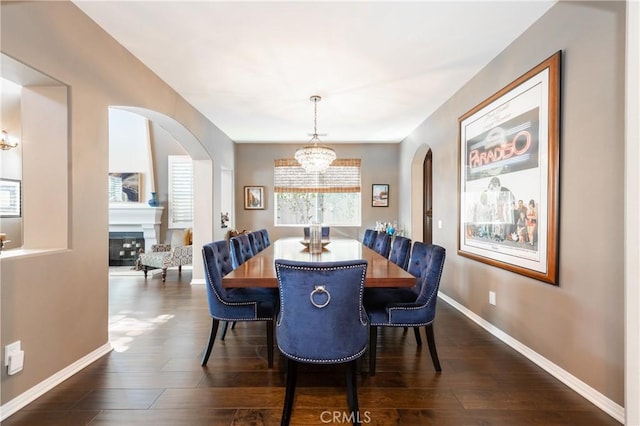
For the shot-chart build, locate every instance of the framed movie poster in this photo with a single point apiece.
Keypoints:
(508, 175)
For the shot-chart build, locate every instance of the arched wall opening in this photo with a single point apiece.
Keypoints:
(205, 196)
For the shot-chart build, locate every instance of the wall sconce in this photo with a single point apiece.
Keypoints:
(5, 144)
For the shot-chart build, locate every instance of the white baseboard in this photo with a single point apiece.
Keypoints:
(198, 281)
(45, 386)
(599, 400)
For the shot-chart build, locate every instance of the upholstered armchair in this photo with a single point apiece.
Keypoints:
(408, 307)
(321, 320)
(164, 256)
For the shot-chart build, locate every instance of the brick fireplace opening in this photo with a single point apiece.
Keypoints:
(124, 247)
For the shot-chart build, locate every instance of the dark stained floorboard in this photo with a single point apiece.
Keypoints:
(154, 377)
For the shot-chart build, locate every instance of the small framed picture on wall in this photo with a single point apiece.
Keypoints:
(254, 197)
(380, 195)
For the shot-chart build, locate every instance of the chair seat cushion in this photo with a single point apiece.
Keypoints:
(376, 301)
(267, 299)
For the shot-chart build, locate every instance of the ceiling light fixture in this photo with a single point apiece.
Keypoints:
(316, 157)
(5, 144)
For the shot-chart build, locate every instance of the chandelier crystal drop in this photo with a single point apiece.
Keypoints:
(315, 158)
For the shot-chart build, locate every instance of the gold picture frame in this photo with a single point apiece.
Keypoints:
(508, 180)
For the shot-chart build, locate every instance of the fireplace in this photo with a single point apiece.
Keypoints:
(136, 218)
(124, 247)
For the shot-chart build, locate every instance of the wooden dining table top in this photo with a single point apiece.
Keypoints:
(259, 271)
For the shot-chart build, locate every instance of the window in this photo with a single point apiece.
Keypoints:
(180, 191)
(331, 198)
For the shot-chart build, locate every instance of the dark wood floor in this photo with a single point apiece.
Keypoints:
(153, 377)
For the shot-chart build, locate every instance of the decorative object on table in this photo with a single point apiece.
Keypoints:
(124, 187)
(509, 151)
(315, 238)
(314, 297)
(380, 195)
(315, 158)
(7, 143)
(254, 197)
(154, 202)
(10, 198)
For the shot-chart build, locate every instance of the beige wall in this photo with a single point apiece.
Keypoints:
(56, 302)
(579, 324)
(254, 166)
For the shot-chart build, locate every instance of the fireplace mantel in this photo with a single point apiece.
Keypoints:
(137, 217)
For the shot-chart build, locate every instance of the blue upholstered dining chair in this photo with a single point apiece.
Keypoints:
(321, 320)
(266, 241)
(235, 304)
(400, 251)
(241, 249)
(326, 230)
(369, 238)
(408, 307)
(255, 238)
(382, 244)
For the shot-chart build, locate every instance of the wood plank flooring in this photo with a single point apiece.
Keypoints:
(154, 377)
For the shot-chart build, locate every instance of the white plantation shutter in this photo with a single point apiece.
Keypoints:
(180, 191)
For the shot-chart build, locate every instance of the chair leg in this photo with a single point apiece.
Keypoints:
(179, 269)
(224, 330)
(145, 269)
(212, 338)
(164, 274)
(292, 368)
(373, 343)
(270, 343)
(416, 332)
(432, 347)
(352, 391)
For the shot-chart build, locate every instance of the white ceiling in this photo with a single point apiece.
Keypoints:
(381, 67)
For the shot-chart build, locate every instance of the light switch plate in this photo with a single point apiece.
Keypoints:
(13, 347)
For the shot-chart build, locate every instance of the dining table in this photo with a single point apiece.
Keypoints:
(259, 270)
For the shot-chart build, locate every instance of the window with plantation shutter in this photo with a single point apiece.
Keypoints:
(180, 191)
(332, 198)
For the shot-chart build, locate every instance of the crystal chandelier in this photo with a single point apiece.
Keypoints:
(317, 157)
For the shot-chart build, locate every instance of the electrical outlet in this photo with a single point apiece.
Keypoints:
(492, 298)
(13, 347)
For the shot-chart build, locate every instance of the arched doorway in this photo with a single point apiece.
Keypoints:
(427, 205)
